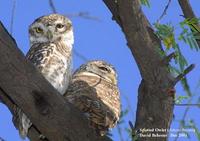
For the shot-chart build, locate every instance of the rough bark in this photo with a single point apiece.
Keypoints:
(22, 85)
(155, 104)
(189, 14)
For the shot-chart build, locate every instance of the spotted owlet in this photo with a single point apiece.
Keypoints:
(51, 41)
(94, 91)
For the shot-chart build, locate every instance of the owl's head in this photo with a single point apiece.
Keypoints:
(100, 68)
(51, 28)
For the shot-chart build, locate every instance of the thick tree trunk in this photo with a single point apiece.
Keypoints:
(155, 104)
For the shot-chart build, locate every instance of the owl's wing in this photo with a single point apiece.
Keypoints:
(53, 61)
(39, 54)
(22, 122)
(97, 99)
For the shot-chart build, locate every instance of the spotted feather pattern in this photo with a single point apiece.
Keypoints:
(97, 98)
(53, 60)
(50, 52)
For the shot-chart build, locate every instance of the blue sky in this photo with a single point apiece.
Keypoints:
(100, 40)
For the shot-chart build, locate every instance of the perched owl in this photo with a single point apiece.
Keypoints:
(51, 41)
(94, 91)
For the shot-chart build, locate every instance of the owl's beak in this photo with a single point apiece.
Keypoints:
(113, 79)
(49, 35)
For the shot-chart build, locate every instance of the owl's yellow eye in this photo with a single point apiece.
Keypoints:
(38, 30)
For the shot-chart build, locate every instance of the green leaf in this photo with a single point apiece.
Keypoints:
(122, 115)
(179, 99)
(166, 33)
(179, 59)
(174, 70)
(168, 41)
(197, 133)
(187, 36)
(186, 86)
(145, 3)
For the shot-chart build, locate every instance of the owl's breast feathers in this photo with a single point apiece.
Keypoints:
(53, 60)
(97, 98)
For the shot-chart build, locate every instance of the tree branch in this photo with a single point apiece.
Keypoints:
(189, 14)
(155, 106)
(53, 8)
(84, 15)
(1, 139)
(164, 11)
(33, 133)
(168, 58)
(182, 75)
(22, 85)
(198, 105)
(12, 17)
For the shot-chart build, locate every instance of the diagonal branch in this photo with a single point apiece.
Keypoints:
(165, 11)
(12, 17)
(33, 133)
(53, 8)
(84, 15)
(1, 139)
(185, 72)
(189, 14)
(22, 85)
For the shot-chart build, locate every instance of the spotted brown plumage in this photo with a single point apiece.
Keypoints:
(94, 91)
(51, 43)
(53, 60)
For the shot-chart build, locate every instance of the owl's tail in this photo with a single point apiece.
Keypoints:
(22, 122)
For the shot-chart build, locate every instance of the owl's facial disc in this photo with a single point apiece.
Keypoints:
(51, 28)
(37, 33)
(104, 70)
(108, 73)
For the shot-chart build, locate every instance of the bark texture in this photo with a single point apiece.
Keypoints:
(155, 104)
(22, 85)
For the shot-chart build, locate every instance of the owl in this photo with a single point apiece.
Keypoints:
(94, 91)
(51, 43)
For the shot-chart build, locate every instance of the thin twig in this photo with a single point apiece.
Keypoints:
(131, 125)
(12, 17)
(187, 104)
(183, 118)
(1, 139)
(182, 75)
(120, 133)
(168, 58)
(52, 6)
(165, 11)
(84, 15)
(127, 102)
(186, 112)
(79, 55)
